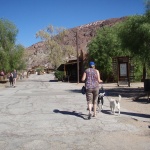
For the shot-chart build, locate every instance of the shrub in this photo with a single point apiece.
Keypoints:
(59, 75)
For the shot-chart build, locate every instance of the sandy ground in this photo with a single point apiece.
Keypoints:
(129, 131)
(139, 106)
(136, 106)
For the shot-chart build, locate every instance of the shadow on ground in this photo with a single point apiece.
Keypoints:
(124, 92)
(73, 113)
(75, 91)
(127, 92)
(128, 113)
(131, 93)
(114, 92)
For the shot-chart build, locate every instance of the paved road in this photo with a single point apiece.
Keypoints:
(43, 115)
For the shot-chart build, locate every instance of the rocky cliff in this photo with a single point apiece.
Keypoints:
(38, 53)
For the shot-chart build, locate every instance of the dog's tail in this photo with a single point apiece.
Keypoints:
(119, 99)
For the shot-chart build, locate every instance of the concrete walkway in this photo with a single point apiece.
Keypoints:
(43, 115)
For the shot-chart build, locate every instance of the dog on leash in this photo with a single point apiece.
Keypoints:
(100, 101)
(115, 104)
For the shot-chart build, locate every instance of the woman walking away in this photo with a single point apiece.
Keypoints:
(11, 79)
(14, 77)
(91, 76)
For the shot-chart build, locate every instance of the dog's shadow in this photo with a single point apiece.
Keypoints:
(127, 113)
(73, 113)
(108, 112)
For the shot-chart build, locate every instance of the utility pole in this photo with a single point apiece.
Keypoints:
(77, 56)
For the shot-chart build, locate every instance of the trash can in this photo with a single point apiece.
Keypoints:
(147, 85)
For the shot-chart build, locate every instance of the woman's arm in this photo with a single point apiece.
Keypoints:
(99, 78)
(83, 77)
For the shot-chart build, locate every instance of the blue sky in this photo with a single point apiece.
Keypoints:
(30, 16)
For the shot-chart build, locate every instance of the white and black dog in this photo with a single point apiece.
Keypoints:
(115, 103)
(100, 101)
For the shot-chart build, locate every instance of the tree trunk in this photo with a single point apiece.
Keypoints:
(144, 72)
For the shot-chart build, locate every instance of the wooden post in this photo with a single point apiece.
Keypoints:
(77, 57)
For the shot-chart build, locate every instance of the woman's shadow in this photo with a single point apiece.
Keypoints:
(73, 113)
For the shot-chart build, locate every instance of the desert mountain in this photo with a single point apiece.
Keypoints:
(38, 53)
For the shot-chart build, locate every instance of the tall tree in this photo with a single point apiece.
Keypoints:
(103, 47)
(8, 33)
(135, 36)
(10, 54)
(17, 57)
(53, 37)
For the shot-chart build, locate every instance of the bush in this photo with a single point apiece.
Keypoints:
(59, 75)
(39, 70)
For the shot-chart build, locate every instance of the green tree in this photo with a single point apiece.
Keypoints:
(135, 36)
(129, 38)
(103, 47)
(4, 61)
(8, 33)
(11, 55)
(53, 37)
(16, 55)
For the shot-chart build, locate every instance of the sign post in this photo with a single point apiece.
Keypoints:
(122, 69)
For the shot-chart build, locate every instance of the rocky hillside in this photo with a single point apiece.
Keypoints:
(38, 53)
